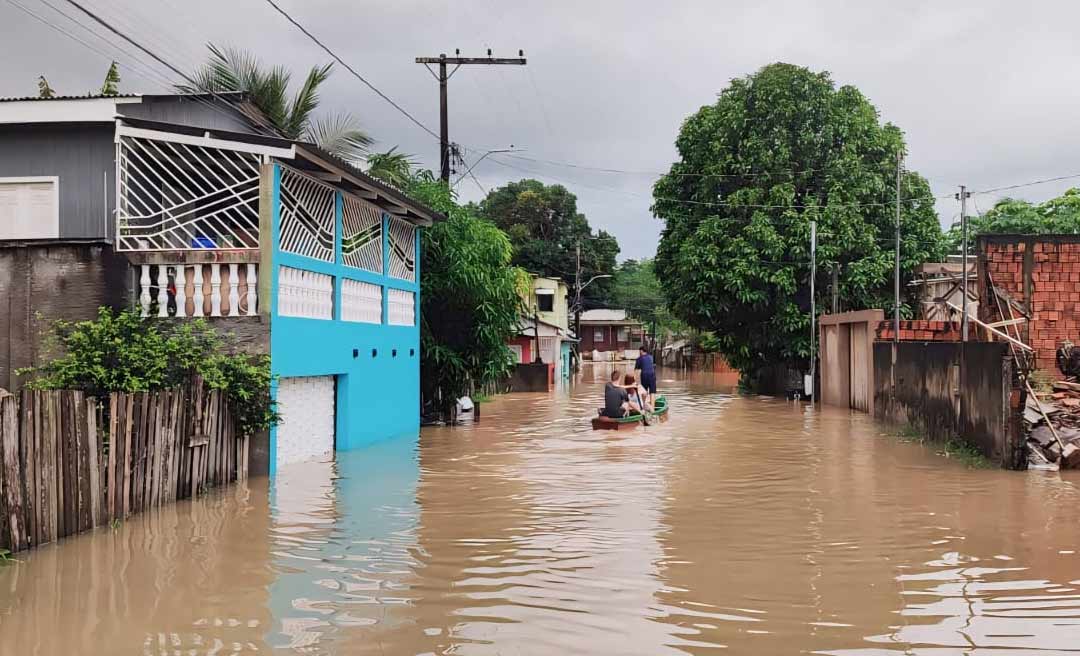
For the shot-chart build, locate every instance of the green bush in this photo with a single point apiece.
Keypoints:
(123, 352)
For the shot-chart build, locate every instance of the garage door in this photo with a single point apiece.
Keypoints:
(306, 431)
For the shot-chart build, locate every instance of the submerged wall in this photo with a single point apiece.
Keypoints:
(949, 389)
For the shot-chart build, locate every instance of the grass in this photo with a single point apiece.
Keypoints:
(953, 447)
(6, 558)
(481, 398)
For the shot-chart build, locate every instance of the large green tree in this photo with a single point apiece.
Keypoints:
(777, 150)
(230, 69)
(638, 290)
(1060, 215)
(545, 228)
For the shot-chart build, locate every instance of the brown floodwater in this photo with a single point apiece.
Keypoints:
(753, 524)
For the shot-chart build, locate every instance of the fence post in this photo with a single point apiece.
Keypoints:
(12, 476)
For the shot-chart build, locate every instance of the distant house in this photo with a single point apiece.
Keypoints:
(608, 334)
(189, 206)
(545, 325)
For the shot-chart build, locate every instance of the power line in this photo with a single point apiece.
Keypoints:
(350, 68)
(721, 203)
(1028, 184)
(101, 21)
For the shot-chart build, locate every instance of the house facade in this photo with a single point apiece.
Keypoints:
(545, 325)
(200, 212)
(609, 334)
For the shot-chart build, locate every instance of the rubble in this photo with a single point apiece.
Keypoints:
(1056, 444)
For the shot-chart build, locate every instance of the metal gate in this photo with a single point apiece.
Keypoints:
(307, 408)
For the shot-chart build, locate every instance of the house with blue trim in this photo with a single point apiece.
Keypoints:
(184, 206)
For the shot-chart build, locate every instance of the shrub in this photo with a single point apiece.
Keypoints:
(123, 352)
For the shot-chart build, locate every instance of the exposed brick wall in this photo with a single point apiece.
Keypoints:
(1042, 273)
(921, 331)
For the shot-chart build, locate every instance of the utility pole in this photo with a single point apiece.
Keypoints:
(813, 309)
(962, 197)
(443, 77)
(577, 292)
(896, 272)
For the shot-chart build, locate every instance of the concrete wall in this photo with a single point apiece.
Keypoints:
(947, 389)
(83, 156)
(41, 282)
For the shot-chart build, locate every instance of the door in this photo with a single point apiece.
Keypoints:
(307, 407)
(860, 368)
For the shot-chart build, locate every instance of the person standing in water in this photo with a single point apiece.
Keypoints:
(646, 370)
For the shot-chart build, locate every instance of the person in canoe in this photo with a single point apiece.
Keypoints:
(646, 370)
(616, 398)
(639, 398)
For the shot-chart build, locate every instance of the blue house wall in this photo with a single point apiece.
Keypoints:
(377, 366)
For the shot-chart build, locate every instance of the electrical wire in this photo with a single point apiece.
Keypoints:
(350, 69)
(1028, 184)
(271, 131)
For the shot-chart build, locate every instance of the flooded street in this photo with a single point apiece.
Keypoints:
(752, 524)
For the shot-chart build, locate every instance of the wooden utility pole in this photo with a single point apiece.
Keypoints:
(443, 77)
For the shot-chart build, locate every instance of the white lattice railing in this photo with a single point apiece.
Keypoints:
(401, 307)
(305, 294)
(361, 239)
(361, 301)
(308, 216)
(402, 238)
(178, 196)
(198, 290)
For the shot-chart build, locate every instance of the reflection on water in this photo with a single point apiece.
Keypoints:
(753, 524)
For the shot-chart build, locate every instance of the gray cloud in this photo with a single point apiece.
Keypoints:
(983, 90)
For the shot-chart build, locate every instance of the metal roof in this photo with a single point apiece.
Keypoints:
(313, 156)
(231, 95)
(605, 314)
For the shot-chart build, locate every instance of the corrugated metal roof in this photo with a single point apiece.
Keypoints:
(86, 97)
(98, 96)
(603, 314)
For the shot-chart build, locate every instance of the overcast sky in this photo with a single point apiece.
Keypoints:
(986, 92)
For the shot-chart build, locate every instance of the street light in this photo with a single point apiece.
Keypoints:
(490, 152)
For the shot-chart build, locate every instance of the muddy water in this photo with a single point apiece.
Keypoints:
(747, 523)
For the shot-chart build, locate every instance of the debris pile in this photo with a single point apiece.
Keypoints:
(1053, 423)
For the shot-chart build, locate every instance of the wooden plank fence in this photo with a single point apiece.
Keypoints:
(67, 465)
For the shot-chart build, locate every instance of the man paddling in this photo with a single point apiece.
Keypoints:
(646, 369)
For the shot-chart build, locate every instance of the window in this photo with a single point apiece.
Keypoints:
(516, 350)
(545, 300)
(623, 335)
(598, 335)
(29, 208)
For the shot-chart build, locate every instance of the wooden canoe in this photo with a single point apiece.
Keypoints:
(626, 423)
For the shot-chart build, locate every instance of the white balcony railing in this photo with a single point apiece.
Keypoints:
(198, 290)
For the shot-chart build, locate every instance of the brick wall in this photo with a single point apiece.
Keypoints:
(1042, 273)
(921, 331)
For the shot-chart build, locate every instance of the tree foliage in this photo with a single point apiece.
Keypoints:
(230, 69)
(392, 167)
(545, 227)
(123, 352)
(777, 150)
(637, 289)
(111, 85)
(1059, 215)
(469, 297)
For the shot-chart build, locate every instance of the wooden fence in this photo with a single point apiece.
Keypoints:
(67, 465)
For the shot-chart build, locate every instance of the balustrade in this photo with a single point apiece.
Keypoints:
(198, 289)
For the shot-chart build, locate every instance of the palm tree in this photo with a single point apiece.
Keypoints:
(230, 69)
(392, 167)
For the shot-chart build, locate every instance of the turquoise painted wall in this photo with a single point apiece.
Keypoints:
(377, 366)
